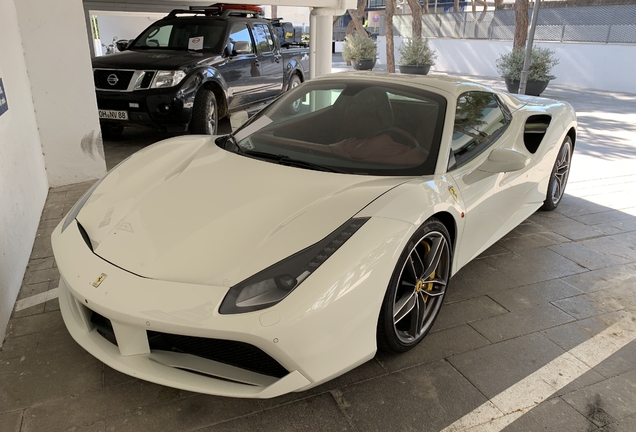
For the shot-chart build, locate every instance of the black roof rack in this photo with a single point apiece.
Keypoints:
(220, 10)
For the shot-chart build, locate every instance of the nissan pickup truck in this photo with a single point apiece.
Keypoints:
(193, 67)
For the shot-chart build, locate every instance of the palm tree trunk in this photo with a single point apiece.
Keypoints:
(521, 25)
(388, 31)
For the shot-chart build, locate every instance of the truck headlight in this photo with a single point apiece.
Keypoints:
(167, 78)
(270, 286)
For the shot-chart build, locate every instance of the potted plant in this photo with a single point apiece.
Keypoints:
(360, 50)
(510, 66)
(416, 56)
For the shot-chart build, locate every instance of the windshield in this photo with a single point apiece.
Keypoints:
(183, 34)
(353, 126)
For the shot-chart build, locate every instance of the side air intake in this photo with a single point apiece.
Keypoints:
(534, 131)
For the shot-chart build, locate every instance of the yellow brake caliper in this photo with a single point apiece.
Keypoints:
(428, 286)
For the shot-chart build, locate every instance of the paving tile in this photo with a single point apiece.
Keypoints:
(82, 187)
(86, 409)
(589, 281)
(613, 247)
(11, 421)
(33, 310)
(526, 228)
(44, 223)
(99, 426)
(183, 415)
(552, 415)
(536, 265)
(55, 337)
(476, 279)
(40, 264)
(526, 242)
(52, 305)
(33, 324)
(571, 206)
(495, 249)
(603, 217)
(628, 424)
(615, 398)
(19, 346)
(369, 370)
(318, 413)
(38, 276)
(53, 211)
(533, 295)
(423, 398)
(38, 378)
(466, 311)
(595, 303)
(521, 322)
(571, 229)
(436, 346)
(33, 289)
(42, 248)
(496, 367)
(584, 256)
(113, 377)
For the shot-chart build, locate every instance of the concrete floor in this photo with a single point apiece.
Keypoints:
(552, 284)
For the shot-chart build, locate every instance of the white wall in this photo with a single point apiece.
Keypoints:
(57, 58)
(592, 66)
(123, 26)
(295, 15)
(23, 184)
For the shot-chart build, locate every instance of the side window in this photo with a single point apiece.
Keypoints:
(479, 121)
(240, 33)
(263, 38)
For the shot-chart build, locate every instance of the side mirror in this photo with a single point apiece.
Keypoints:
(504, 160)
(122, 45)
(242, 48)
(238, 119)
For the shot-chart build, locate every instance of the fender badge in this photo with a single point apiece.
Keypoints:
(99, 280)
(453, 192)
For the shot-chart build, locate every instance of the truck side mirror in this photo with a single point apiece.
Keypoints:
(241, 47)
(122, 45)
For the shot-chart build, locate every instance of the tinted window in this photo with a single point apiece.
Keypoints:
(176, 35)
(479, 121)
(354, 126)
(240, 33)
(263, 38)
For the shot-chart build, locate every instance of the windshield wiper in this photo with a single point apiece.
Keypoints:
(286, 160)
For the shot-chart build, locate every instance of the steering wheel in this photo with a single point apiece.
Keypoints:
(407, 138)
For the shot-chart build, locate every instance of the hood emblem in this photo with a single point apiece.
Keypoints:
(99, 280)
(112, 79)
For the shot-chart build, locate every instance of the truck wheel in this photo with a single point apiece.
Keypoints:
(205, 113)
(112, 131)
(294, 81)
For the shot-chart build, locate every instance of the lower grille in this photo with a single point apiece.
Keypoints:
(104, 327)
(239, 354)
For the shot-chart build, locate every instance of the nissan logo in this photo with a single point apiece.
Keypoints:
(112, 79)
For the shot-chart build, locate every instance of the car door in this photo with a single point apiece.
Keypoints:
(269, 61)
(492, 201)
(240, 71)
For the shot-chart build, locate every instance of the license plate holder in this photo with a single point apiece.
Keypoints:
(113, 115)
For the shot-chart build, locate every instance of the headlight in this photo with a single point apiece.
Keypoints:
(167, 78)
(273, 284)
(70, 217)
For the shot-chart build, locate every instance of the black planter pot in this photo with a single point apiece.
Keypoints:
(363, 64)
(415, 69)
(533, 88)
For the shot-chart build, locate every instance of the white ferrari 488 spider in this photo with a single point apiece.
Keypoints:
(325, 228)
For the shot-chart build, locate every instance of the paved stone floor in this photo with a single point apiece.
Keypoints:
(545, 290)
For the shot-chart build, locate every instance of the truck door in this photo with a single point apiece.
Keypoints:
(270, 61)
(240, 72)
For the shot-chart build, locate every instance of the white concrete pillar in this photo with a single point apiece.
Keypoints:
(89, 32)
(320, 38)
(57, 56)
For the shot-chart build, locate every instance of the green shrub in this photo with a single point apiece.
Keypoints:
(416, 52)
(359, 47)
(510, 65)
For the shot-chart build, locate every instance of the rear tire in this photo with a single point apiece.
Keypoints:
(559, 176)
(205, 113)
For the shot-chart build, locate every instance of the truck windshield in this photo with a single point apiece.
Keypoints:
(183, 34)
(350, 125)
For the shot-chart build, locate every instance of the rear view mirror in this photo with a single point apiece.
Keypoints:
(504, 160)
(238, 119)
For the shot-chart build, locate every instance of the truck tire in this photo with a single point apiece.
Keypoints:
(205, 113)
(294, 81)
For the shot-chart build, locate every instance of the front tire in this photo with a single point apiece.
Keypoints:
(559, 176)
(205, 113)
(417, 288)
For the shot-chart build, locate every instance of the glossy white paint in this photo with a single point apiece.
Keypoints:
(187, 220)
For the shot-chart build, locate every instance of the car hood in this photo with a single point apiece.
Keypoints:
(159, 59)
(185, 210)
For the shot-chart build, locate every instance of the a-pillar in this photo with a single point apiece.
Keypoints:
(57, 57)
(320, 40)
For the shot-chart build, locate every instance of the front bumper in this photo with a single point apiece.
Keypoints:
(324, 328)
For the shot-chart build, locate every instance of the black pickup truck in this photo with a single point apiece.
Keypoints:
(194, 67)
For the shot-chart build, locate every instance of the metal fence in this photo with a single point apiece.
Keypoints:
(600, 24)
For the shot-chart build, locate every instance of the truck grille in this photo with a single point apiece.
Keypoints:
(109, 79)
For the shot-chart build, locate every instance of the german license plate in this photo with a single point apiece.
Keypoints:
(113, 115)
